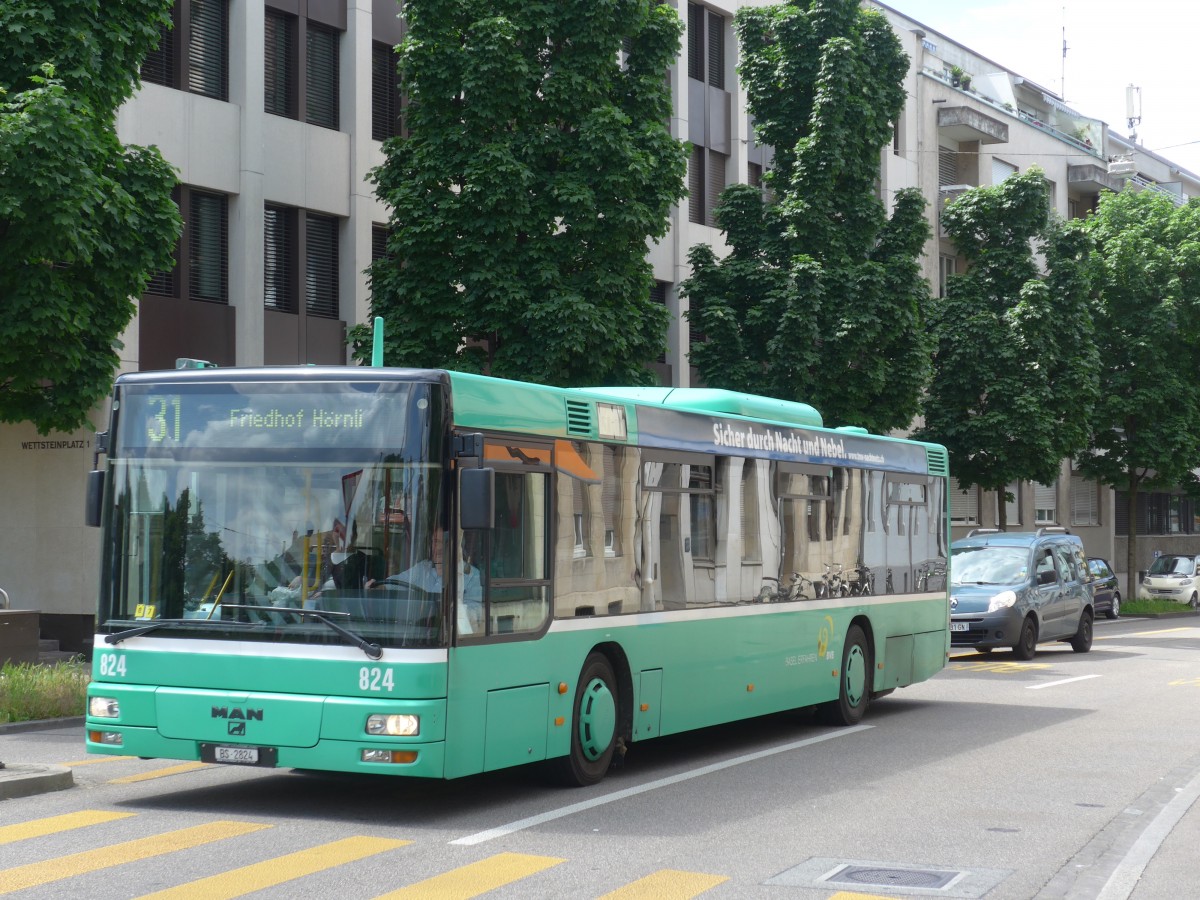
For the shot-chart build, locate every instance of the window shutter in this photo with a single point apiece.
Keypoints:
(385, 107)
(696, 186)
(1085, 502)
(207, 49)
(1012, 507)
(716, 184)
(1001, 170)
(716, 50)
(280, 57)
(208, 245)
(321, 266)
(1044, 504)
(321, 78)
(159, 66)
(947, 167)
(696, 41)
(278, 258)
(964, 507)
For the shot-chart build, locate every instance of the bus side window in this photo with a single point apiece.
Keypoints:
(519, 584)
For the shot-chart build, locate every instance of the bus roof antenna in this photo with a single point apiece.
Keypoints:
(377, 343)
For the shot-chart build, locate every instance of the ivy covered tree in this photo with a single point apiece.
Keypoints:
(84, 220)
(1146, 424)
(1016, 368)
(821, 297)
(537, 164)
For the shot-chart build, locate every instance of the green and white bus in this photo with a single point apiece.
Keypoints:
(430, 573)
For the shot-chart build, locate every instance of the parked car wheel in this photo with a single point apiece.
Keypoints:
(1082, 642)
(1114, 611)
(1026, 647)
(1195, 601)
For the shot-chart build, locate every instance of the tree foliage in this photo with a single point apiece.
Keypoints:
(1015, 373)
(537, 164)
(1146, 425)
(84, 220)
(821, 296)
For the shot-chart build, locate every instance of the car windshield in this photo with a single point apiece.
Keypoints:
(1172, 565)
(988, 565)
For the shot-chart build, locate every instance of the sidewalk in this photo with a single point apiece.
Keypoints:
(26, 779)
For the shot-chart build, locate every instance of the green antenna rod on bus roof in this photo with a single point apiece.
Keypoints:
(377, 343)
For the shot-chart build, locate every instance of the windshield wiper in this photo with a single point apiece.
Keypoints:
(373, 651)
(163, 623)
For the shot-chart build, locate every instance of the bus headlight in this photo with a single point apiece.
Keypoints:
(104, 707)
(1003, 600)
(394, 726)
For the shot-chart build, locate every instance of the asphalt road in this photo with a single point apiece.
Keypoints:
(1070, 776)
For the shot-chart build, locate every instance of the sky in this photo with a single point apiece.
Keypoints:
(1152, 44)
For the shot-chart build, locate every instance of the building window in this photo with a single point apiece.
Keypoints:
(696, 182)
(1002, 170)
(280, 57)
(751, 546)
(279, 254)
(321, 77)
(1045, 503)
(193, 54)
(964, 504)
(1085, 501)
(706, 46)
(947, 266)
(301, 66)
(385, 92)
(947, 167)
(208, 243)
(1012, 508)
(321, 266)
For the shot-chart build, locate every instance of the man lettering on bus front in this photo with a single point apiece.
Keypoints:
(428, 575)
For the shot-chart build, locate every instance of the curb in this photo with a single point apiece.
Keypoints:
(40, 724)
(1182, 614)
(26, 780)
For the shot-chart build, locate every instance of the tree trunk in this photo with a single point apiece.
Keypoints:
(1001, 510)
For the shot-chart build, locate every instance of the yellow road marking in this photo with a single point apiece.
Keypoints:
(999, 666)
(92, 760)
(668, 884)
(1185, 682)
(89, 861)
(846, 895)
(272, 872)
(54, 824)
(1158, 631)
(161, 773)
(476, 878)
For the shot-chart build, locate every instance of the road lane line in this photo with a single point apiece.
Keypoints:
(280, 870)
(161, 773)
(89, 861)
(1125, 877)
(551, 815)
(476, 878)
(1038, 687)
(55, 824)
(667, 884)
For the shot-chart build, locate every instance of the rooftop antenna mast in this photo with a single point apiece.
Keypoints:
(1133, 110)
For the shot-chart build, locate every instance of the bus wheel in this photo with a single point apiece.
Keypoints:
(854, 690)
(593, 724)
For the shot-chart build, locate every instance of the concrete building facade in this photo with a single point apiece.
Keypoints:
(273, 113)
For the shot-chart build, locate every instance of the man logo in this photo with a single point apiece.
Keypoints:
(237, 729)
(244, 715)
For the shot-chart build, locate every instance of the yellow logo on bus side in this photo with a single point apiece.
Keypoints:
(824, 636)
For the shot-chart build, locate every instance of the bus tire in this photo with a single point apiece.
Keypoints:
(593, 725)
(854, 682)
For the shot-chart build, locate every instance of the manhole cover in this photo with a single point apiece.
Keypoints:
(894, 877)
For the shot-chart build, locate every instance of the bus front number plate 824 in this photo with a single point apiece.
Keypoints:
(238, 755)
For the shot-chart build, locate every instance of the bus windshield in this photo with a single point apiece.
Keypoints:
(235, 507)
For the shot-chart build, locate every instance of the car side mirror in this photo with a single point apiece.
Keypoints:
(1046, 578)
(477, 498)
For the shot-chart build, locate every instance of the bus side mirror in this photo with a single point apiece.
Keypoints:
(476, 498)
(95, 497)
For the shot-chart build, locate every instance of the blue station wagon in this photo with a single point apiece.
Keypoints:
(1018, 589)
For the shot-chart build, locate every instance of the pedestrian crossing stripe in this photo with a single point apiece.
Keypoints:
(51, 870)
(160, 773)
(667, 884)
(53, 824)
(282, 869)
(475, 878)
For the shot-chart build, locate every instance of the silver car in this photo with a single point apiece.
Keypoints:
(1172, 576)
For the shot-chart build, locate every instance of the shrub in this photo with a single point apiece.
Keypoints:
(31, 691)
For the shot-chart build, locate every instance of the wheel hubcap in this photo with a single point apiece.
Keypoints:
(856, 675)
(597, 719)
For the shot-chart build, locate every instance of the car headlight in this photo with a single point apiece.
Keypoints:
(1003, 600)
(1185, 583)
(395, 726)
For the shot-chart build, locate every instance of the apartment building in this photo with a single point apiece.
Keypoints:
(274, 112)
